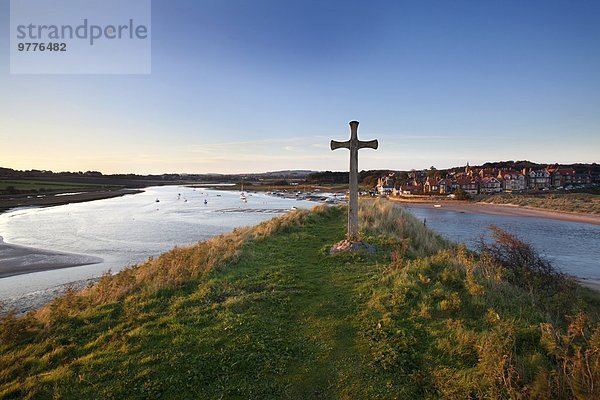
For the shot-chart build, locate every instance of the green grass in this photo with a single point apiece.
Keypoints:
(267, 312)
(570, 202)
(41, 186)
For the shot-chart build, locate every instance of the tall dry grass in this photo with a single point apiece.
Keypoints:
(385, 218)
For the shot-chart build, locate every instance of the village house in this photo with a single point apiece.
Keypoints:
(488, 172)
(563, 177)
(582, 179)
(412, 186)
(431, 185)
(537, 179)
(385, 185)
(489, 185)
(512, 181)
(445, 186)
(469, 185)
(474, 180)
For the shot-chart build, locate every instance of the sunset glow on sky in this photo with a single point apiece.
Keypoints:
(239, 86)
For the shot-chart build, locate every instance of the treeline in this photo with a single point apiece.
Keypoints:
(368, 178)
(45, 174)
(94, 176)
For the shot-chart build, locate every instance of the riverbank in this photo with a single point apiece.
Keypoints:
(593, 284)
(35, 300)
(9, 202)
(20, 260)
(499, 209)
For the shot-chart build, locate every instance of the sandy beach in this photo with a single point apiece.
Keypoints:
(18, 260)
(501, 209)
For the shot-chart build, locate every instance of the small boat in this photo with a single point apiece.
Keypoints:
(242, 194)
(157, 201)
(437, 205)
(205, 201)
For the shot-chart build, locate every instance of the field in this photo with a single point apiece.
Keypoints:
(27, 185)
(266, 312)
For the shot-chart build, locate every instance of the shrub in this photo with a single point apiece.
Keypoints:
(523, 267)
(577, 357)
(461, 195)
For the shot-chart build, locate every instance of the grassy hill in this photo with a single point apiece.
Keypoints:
(267, 312)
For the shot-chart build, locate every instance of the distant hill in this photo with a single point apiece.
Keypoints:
(136, 179)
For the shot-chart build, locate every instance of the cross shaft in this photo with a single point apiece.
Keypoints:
(353, 145)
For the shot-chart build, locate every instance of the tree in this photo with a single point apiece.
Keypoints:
(432, 172)
(461, 195)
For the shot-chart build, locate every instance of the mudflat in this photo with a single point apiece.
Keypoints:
(8, 202)
(18, 260)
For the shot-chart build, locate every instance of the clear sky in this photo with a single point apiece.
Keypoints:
(250, 86)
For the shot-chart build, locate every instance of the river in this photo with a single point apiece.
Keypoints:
(572, 247)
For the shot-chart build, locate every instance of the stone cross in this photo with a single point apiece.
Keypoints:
(353, 145)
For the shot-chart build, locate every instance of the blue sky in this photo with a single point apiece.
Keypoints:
(240, 86)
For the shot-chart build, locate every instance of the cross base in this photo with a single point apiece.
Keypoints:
(350, 246)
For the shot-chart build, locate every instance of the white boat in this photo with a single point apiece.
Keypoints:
(243, 195)
(437, 205)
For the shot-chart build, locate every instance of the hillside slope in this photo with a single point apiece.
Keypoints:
(266, 312)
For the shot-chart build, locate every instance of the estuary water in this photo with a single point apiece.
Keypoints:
(572, 247)
(126, 230)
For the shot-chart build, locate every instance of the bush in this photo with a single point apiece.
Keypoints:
(522, 266)
(461, 195)
(11, 190)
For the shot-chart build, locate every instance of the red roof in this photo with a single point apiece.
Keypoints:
(489, 178)
(466, 181)
(511, 174)
(566, 172)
